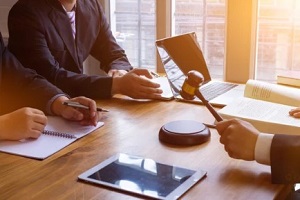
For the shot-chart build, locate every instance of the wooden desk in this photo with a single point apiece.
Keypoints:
(132, 127)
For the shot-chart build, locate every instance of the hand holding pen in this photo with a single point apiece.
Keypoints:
(76, 104)
(83, 110)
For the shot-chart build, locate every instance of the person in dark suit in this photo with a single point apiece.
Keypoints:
(282, 152)
(54, 37)
(20, 87)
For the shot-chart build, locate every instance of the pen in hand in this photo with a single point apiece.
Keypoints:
(75, 104)
(154, 74)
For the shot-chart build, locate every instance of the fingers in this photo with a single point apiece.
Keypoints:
(223, 125)
(94, 121)
(40, 118)
(137, 84)
(146, 89)
(36, 111)
(89, 103)
(87, 117)
(36, 122)
(238, 137)
(146, 82)
(229, 145)
(35, 134)
(142, 72)
(39, 121)
(146, 93)
(116, 72)
(295, 112)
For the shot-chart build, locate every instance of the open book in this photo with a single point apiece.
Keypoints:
(267, 107)
(58, 134)
(291, 78)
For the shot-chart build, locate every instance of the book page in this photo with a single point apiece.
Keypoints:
(265, 116)
(272, 92)
(261, 110)
(47, 145)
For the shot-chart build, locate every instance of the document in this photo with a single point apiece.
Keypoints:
(266, 106)
(165, 87)
(58, 134)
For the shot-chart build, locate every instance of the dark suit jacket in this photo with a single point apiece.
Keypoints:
(40, 35)
(21, 87)
(285, 159)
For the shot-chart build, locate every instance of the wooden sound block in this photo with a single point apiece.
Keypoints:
(184, 132)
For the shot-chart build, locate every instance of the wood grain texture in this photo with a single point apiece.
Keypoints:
(132, 127)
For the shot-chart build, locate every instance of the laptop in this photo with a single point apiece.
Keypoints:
(181, 54)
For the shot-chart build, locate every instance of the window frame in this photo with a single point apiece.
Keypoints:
(240, 36)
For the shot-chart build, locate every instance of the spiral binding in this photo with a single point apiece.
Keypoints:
(58, 134)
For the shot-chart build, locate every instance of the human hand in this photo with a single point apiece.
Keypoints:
(295, 112)
(22, 123)
(136, 84)
(84, 116)
(117, 72)
(239, 138)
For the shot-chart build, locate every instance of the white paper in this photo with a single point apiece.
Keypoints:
(47, 145)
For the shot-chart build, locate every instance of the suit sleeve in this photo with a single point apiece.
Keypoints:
(22, 87)
(285, 159)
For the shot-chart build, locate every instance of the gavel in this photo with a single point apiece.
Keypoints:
(190, 89)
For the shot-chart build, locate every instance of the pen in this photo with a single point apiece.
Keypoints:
(79, 105)
(154, 74)
(210, 125)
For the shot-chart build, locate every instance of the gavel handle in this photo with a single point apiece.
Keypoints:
(208, 106)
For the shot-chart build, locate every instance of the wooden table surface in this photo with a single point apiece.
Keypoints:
(132, 127)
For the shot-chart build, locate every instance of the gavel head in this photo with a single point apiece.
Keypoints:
(191, 84)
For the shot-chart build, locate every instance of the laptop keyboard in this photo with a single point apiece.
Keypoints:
(215, 89)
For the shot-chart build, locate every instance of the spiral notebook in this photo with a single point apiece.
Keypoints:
(58, 134)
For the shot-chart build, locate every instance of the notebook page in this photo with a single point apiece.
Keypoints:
(70, 127)
(47, 145)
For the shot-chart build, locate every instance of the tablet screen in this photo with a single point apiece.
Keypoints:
(143, 176)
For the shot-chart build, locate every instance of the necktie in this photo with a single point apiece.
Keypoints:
(71, 16)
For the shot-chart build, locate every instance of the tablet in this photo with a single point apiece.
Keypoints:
(143, 176)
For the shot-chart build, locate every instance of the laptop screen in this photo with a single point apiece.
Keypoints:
(175, 76)
(182, 53)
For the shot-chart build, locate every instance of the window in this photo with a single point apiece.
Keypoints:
(272, 44)
(133, 23)
(278, 38)
(207, 19)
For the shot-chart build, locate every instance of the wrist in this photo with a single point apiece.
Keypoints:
(2, 128)
(116, 89)
(57, 106)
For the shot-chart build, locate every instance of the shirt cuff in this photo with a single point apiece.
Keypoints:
(263, 148)
(50, 102)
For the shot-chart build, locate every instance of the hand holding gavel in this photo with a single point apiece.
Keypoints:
(190, 88)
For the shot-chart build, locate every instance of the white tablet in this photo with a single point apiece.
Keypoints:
(143, 176)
